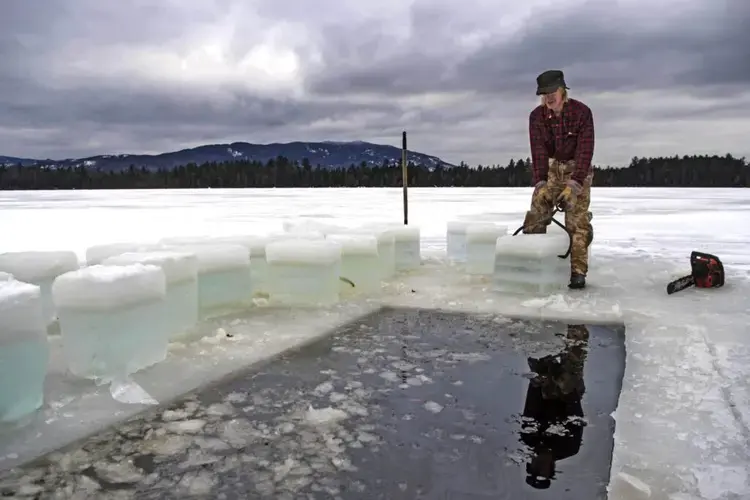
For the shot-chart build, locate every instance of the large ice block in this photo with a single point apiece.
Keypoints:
(224, 279)
(305, 227)
(181, 273)
(408, 251)
(111, 319)
(99, 253)
(529, 263)
(24, 352)
(360, 262)
(41, 269)
(304, 271)
(256, 246)
(456, 240)
(481, 243)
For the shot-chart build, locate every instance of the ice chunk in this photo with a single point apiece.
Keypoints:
(99, 253)
(302, 227)
(181, 272)
(408, 254)
(530, 263)
(456, 240)
(481, 242)
(360, 262)
(6, 276)
(256, 245)
(224, 279)
(304, 271)
(24, 351)
(41, 269)
(110, 319)
(386, 247)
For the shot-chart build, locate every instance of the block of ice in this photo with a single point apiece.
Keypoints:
(224, 279)
(304, 271)
(256, 245)
(6, 276)
(99, 253)
(360, 262)
(301, 226)
(41, 269)
(111, 319)
(529, 263)
(181, 273)
(24, 351)
(480, 245)
(456, 240)
(407, 247)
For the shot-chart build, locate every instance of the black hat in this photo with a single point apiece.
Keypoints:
(549, 81)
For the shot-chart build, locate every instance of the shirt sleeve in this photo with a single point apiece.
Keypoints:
(585, 147)
(539, 157)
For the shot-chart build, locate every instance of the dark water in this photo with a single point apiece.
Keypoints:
(403, 404)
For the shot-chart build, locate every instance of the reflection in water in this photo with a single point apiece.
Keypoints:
(553, 415)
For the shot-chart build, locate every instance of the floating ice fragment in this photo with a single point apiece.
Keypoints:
(324, 388)
(130, 392)
(186, 426)
(433, 407)
(325, 416)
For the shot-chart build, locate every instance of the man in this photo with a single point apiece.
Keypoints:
(561, 134)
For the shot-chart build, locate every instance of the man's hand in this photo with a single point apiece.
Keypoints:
(569, 195)
(541, 192)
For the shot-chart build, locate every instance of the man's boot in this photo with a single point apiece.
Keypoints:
(577, 281)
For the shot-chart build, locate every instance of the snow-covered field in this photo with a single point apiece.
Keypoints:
(682, 423)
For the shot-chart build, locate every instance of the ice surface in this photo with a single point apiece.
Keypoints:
(181, 273)
(111, 319)
(24, 352)
(224, 277)
(456, 240)
(684, 409)
(480, 245)
(407, 249)
(39, 268)
(360, 262)
(304, 271)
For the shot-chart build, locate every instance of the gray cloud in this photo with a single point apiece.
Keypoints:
(82, 77)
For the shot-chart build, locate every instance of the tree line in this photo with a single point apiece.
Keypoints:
(685, 171)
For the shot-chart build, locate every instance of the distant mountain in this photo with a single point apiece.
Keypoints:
(12, 160)
(327, 154)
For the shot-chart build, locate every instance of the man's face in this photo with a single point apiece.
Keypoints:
(554, 100)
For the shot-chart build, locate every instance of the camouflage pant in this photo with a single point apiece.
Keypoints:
(577, 219)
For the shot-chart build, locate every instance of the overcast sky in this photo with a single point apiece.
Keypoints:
(86, 77)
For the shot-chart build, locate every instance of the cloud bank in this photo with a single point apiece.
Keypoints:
(84, 77)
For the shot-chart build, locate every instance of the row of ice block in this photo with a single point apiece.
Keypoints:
(118, 314)
(525, 263)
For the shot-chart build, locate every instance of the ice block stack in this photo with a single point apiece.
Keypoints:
(529, 263)
(360, 262)
(180, 314)
(24, 351)
(480, 246)
(41, 269)
(456, 240)
(407, 246)
(304, 271)
(111, 319)
(224, 277)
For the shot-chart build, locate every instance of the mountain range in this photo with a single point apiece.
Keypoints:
(326, 154)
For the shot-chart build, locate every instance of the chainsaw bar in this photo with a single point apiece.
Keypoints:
(680, 284)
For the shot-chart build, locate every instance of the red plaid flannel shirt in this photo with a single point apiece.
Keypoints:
(567, 137)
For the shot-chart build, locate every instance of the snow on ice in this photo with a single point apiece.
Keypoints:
(684, 411)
